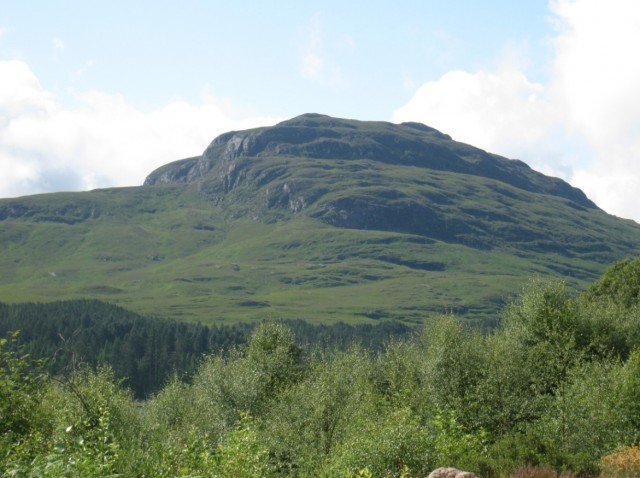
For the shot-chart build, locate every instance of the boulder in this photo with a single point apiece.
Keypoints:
(449, 472)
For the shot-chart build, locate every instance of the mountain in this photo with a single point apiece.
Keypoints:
(317, 218)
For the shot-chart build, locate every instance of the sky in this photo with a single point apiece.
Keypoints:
(98, 94)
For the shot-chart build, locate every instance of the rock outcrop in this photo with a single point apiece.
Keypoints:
(319, 136)
(449, 472)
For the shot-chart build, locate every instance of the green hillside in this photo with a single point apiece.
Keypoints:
(316, 218)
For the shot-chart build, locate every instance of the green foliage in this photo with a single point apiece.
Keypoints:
(361, 473)
(390, 443)
(19, 388)
(242, 454)
(275, 357)
(619, 283)
(586, 419)
(88, 427)
(146, 351)
(453, 358)
(311, 419)
(21, 385)
(546, 321)
(453, 444)
(628, 387)
(541, 395)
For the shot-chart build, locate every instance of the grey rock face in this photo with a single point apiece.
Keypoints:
(448, 472)
(175, 172)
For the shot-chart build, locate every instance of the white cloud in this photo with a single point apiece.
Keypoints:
(21, 92)
(314, 63)
(84, 68)
(597, 73)
(583, 124)
(58, 46)
(103, 142)
(494, 111)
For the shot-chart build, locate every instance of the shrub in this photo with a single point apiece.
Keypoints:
(242, 454)
(622, 463)
(620, 283)
(546, 471)
(389, 444)
(456, 446)
(19, 388)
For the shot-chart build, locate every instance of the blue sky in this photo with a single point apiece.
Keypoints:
(374, 53)
(96, 94)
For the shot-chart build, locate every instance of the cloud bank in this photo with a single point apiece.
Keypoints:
(104, 141)
(582, 124)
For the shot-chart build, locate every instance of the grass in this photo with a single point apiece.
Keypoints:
(162, 264)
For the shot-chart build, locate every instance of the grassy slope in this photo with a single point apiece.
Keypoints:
(326, 235)
(166, 251)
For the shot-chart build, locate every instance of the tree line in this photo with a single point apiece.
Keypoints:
(146, 351)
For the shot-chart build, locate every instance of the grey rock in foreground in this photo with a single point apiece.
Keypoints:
(448, 472)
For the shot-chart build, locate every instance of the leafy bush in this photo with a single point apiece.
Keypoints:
(394, 444)
(622, 463)
(530, 471)
(619, 283)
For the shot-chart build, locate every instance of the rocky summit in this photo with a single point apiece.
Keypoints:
(317, 218)
(405, 177)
